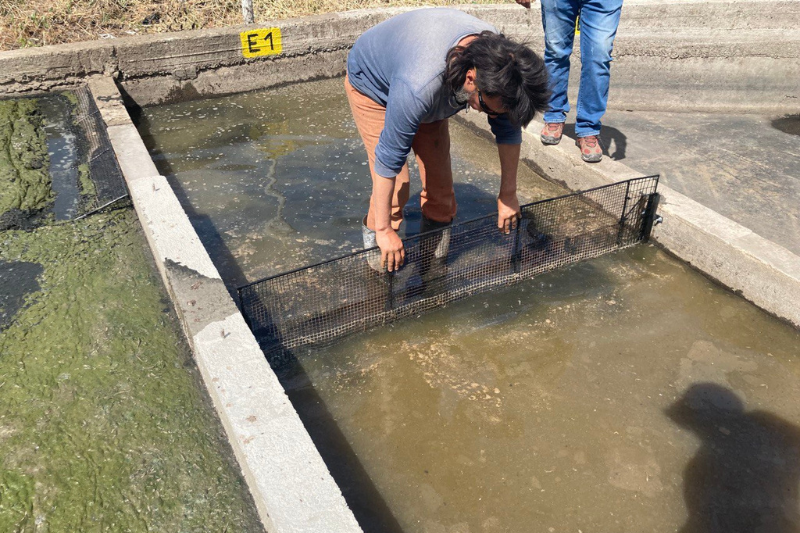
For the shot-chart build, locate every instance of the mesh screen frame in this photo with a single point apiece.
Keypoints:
(321, 303)
(104, 169)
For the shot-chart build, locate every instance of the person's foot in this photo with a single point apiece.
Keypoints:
(591, 152)
(551, 133)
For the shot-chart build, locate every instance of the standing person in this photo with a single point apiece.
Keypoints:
(598, 21)
(405, 77)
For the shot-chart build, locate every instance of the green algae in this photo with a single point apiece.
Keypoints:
(104, 425)
(88, 190)
(25, 185)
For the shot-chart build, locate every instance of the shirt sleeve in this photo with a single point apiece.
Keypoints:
(404, 112)
(504, 131)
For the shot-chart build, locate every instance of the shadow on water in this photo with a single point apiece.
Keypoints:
(788, 124)
(608, 136)
(225, 262)
(473, 202)
(744, 478)
(362, 496)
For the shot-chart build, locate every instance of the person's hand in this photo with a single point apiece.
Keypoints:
(525, 3)
(393, 255)
(508, 213)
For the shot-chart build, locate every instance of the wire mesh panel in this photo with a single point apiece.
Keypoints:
(104, 171)
(321, 303)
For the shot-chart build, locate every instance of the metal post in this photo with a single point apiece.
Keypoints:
(517, 251)
(624, 217)
(649, 215)
(247, 11)
(389, 305)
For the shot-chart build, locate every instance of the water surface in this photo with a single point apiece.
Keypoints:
(624, 394)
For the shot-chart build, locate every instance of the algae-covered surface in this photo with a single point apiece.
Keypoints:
(25, 185)
(104, 425)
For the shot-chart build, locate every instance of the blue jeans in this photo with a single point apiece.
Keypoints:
(598, 26)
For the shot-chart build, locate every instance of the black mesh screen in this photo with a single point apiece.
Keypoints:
(323, 302)
(104, 170)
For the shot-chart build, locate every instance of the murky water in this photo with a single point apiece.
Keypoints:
(277, 180)
(624, 394)
(62, 146)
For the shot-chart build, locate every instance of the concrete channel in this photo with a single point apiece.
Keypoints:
(718, 56)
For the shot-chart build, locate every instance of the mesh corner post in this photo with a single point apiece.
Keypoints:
(321, 303)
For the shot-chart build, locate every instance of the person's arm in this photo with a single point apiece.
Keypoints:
(509, 139)
(508, 211)
(402, 119)
(393, 254)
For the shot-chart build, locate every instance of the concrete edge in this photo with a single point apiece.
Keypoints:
(756, 268)
(292, 488)
(687, 69)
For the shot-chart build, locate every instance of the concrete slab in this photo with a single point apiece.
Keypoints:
(741, 166)
(292, 488)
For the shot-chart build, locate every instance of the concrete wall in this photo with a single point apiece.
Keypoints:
(697, 55)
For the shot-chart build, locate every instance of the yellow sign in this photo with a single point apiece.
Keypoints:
(264, 42)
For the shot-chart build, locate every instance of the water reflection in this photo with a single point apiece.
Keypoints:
(745, 476)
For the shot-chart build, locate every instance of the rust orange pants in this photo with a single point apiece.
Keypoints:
(431, 147)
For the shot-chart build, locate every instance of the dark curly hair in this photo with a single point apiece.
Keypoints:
(506, 69)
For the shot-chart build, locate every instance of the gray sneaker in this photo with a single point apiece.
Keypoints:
(551, 133)
(591, 151)
(371, 241)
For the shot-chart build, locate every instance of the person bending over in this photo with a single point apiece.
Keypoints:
(405, 77)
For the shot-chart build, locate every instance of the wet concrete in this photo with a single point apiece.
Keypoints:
(624, 394)
(271, 183)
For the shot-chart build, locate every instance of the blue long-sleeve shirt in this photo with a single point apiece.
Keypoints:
(400, 64)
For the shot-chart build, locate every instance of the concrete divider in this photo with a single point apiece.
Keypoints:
(725, 55)
(758, 269)
(291, 486)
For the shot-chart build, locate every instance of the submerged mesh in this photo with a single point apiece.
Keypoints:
(104, 169)
(324, 302)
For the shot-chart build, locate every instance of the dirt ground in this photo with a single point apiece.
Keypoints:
(25, 23)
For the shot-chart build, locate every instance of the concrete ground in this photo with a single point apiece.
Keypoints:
(745, 167)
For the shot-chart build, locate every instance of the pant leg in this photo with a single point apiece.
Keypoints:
(599, 21)
(369, 117)
(432, 148)
(558, 20)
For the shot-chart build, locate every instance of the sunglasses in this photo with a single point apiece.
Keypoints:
(485, 108)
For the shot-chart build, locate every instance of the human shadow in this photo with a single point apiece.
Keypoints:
(206, 228)
(608, 136)
(362, 496)
(744, 477)
(473, 202)
(787, 124)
